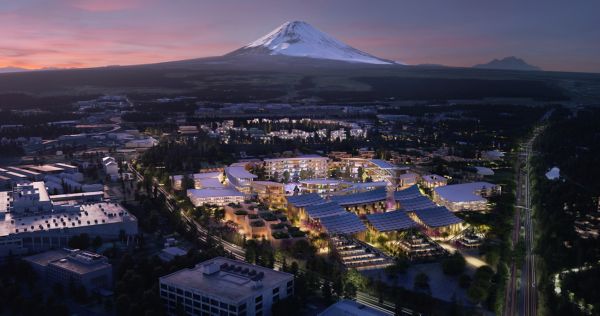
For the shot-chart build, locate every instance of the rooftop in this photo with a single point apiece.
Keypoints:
(212, 192)
(347, 223)
(305, 199)
(382, 164)
(465, 192)
(378, 194)
(391, 221)
(408, 193)
(316, 211)
(417, 203)
(350, 308)
(240, 173)
(231, 280)
(438, 216)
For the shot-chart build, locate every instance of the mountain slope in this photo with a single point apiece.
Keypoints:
(11, 69)
(508, 63)
(300, 39)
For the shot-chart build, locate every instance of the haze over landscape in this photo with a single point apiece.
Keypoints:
(91, 33)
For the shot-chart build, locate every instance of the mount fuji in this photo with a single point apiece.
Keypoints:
(300, 39)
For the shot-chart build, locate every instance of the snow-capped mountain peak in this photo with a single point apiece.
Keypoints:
(300, 39)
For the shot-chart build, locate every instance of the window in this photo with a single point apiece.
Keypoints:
(180, 291)
(259, 306)
(196, 297)
(258, 299)
(214, 302)
(243, 307)
(205, 299)
(163, 286)
(276, 290)
(276, 298)
(232, 308)
(290, 283)
(188, 294)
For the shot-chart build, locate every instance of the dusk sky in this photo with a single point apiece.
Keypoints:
(554, 35)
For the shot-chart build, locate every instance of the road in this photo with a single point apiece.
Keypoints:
(529, 306)
(527, 303)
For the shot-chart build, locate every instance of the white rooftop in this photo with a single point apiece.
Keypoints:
(464, 192)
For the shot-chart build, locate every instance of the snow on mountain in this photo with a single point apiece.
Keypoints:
(300, 39)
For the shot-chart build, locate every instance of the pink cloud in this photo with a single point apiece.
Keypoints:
(104, 5)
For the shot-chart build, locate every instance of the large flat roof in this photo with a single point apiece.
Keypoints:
(63, 217)
(230, 284)
(464, 192)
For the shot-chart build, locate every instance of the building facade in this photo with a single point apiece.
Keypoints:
(223, 286)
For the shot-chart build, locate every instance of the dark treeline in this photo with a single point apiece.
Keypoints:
(570, 142)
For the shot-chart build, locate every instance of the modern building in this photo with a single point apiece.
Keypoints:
(223, 286)
(72, 266)
(30, 221)
(465, 196)
(240, 178)
(323, 186)
(220, 197)
(270, 193)
(431, 181)
(111, 168)
(302, 167)
(365, 202)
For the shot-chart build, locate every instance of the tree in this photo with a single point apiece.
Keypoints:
(286, 176)
(79, 242)
(421, 282)
(454, 265)
(349, 290)
(326, 291)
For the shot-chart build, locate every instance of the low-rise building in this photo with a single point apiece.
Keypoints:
(465, 196)
(431, 181)
(30, 221)
(220, 197)
(308, 166)
(223, 286)
(78, 267)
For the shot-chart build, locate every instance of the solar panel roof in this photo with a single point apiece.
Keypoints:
(316, 211)
(305, 199)
(408, 193)
(378, 194)
(390, 221)
(347, 223)
(417, 203)
(437, 217)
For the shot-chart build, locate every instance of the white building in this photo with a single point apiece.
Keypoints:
(220, 197)
(433, 181)
(240, 178)
(313, 166)
(222, 286)
(78, 267)
(465, 196)
(111, 168)
(31, 222)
